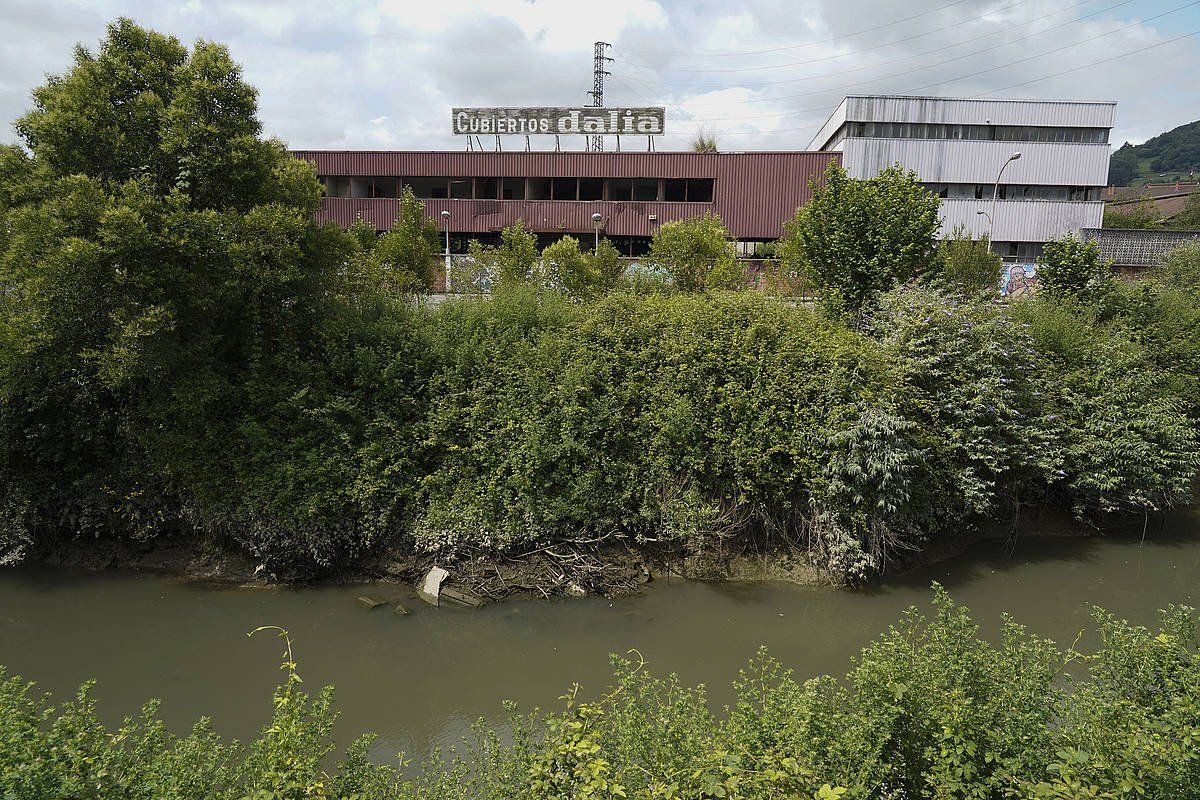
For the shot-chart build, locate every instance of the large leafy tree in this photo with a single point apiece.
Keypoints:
(697, 254)
(858, 238)
(160, 270)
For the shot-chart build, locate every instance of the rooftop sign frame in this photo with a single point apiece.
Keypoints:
(559, 121)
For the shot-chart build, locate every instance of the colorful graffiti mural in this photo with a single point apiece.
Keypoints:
(1018, 280)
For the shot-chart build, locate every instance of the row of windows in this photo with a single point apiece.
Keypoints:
(1013, 191)
(671, 190)
(998, 133)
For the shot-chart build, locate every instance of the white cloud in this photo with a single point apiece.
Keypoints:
(384, 73)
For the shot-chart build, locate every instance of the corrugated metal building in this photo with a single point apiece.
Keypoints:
(558, 192)
(958, 146)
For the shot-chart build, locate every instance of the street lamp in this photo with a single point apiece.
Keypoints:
(995, 194)
(446, 226)
(596, 224)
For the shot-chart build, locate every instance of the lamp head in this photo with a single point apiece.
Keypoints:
(446, 214)
(1014, 156)
(596, 217)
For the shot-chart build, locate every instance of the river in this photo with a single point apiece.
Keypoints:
(420, 680)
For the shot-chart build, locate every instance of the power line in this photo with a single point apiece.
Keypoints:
(956, 24)
(1024, 83)
(793, 46)
(960, 77)
(1007, 43)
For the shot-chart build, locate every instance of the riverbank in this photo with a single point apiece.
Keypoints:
(610, 568)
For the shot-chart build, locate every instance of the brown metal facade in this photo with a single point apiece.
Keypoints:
(754, 193)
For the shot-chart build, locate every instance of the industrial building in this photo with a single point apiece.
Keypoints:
(963, 150)
(558, 193)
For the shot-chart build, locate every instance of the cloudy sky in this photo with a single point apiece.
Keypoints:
(759, 74)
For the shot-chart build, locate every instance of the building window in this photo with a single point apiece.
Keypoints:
(565, 188)
(1000, 133)
(337, 186)
(428, 188)
(512, 189)
(675, 190)
(645, 190)
(461, 188)
(486, 188)
(700, 190)
(591, 188)
(619, 189)
(537, 189)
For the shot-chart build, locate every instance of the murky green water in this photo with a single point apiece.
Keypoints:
(420, 680)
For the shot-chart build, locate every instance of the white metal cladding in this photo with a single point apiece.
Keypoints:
(1022, 220)
(959, 161)
(980, 112)
(969, 111)
(835, 121)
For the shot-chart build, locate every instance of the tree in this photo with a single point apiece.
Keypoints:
(566, 269)
(409, 251)
(1070, 267)
(607, 265)
(967, 265)
(163, 274)
(696, 254)
(508, 264)
(858, 238)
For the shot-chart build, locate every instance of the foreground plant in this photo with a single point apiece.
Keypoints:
(929, 710)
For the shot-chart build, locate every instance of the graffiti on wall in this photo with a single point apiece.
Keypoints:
(1018, 279)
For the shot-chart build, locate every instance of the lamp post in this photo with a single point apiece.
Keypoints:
(995, 194)
(446, 227)
(596, 224)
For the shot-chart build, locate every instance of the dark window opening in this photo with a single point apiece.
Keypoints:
(700, 190)
(461, 188)
(486, 188)
(645, 190)
(385, 187)
(591, 189)
(428, 188)
(675, 190)
(565, 188)
(537, 189)
(512, 189)
(620, 189)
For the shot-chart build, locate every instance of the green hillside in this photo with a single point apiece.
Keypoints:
(1168, 156)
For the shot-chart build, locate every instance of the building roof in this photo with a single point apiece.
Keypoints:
(1137, 248)
(964, 110)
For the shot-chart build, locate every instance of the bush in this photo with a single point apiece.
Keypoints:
(1070, 267)
(696, 254)
(859, 238)
(966, 265)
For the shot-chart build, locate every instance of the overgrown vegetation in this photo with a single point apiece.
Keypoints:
(928, 710)
(184, 352)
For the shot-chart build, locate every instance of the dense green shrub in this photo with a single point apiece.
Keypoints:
(928, 710)
(697, 254)
(858, 238)
(1071, 268)
(966, 265)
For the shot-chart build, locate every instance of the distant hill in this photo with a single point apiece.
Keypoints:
(1169, 156)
